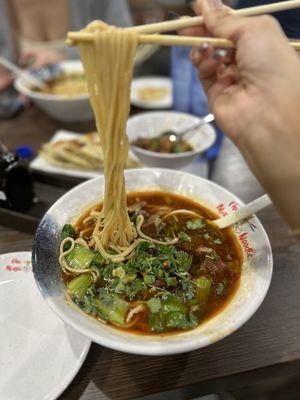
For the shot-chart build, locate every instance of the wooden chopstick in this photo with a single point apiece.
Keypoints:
(193, 41)
(170, 40)
(188, 22)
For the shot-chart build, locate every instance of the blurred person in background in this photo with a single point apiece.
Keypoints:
(32, 32)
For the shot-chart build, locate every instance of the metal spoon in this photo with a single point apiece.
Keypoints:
(32, 81)
(175, 136)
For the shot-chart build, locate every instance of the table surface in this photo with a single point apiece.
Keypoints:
(267, 345)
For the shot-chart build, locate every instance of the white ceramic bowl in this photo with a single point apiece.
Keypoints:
(152, 124)
(254, 283)
(60, 107)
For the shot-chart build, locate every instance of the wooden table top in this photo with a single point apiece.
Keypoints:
(267, 345)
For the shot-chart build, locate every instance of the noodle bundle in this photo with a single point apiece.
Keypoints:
(108, 65)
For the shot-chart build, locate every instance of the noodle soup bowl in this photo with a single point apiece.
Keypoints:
(152, 124)
(251, 237)
(60, 107)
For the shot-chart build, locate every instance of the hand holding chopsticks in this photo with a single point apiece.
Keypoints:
(149, 33)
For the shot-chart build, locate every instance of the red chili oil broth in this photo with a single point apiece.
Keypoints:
(229, 252)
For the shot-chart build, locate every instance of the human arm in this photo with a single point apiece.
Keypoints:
(255, 96)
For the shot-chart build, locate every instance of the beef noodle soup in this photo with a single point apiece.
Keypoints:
(160, 287)
(145, 262)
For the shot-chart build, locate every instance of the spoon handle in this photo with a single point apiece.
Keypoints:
(205, 120)
(20, 72)
(243, 212)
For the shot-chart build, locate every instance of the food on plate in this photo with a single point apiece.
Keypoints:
(146, 261)
(162, 145)
(179, 271)
(66, 84)
(152, 93)
(84, 152)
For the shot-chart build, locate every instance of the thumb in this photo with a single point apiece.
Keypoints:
(220, 20)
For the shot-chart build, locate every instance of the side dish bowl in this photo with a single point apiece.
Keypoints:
(255, 278)
(60, 107)
(152, 124)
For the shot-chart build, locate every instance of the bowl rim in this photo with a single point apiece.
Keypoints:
(21, 87)
(172, 156)
(147, 348)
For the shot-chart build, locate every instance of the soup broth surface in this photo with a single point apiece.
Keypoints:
(171, 288)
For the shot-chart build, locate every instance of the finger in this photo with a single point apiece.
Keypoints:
(196, 6)
(224, 82)
(219, 19)
(197, 55)
(195, 31)
(208, 68)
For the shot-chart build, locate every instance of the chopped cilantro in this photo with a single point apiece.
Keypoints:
(218, 241)
(149, 279)
(184, 237)
(206, 236)
(196, 224)
(220, 288)
(171, 281)
(212, 255)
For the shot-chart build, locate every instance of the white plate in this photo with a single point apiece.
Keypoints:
(198, 167)
(39, 164)
(40, 355)
(152, 82)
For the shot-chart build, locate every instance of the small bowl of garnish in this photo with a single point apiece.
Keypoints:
(64, 96)
(153, 138)
(180, 284)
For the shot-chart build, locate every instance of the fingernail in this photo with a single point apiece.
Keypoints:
(214, 3)
(172, 15)
(189, 2)
(204, 47)
(220, 53)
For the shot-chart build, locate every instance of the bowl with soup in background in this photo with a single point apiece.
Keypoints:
(145, 129)
(65, 97)
(248, 237)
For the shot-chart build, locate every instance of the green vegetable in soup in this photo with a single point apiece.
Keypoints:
(67, 232)
(172, 314)
(203, 291)
(78, 286)
(80, 257)
(112, 308)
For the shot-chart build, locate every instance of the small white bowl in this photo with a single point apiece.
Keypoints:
(254, 283)
(152, 124)
(60, 107)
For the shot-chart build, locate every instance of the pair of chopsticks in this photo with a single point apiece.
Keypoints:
(148, 34)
